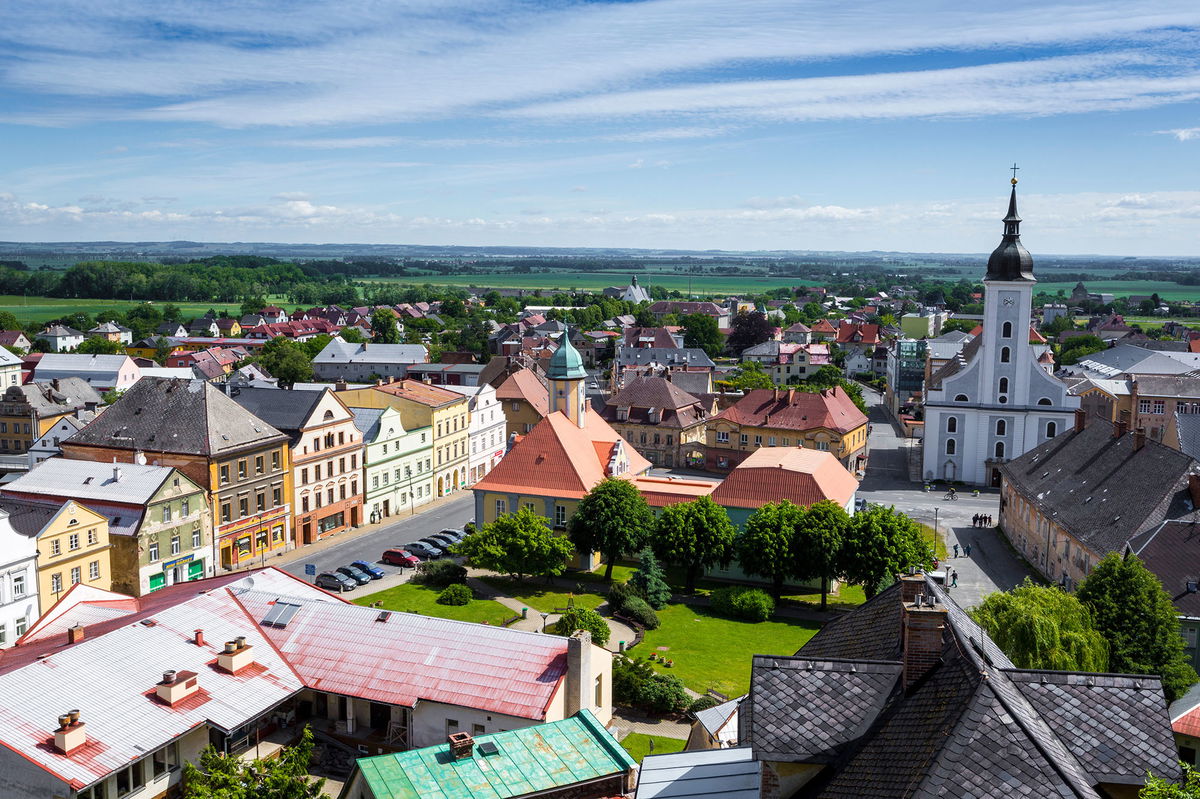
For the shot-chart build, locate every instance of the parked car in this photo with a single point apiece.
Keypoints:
(443, 541)
(400, 557)
(454, 533)
(373, 571)
(333, 581)
(357, 575)
(425, 551)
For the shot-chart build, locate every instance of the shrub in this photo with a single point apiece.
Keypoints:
(702, 703)
(440, 573)
(583, 619)
(457, 594)
(663, 693)
(648, 581)
(618, 595)
(637, 610)
(741, 602)
(628, 677)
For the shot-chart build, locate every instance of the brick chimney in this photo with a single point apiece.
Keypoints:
(1120, 428)
(461, 745)
(237, 655)
(75, 634)
(71, 733)
(911, 587)
(1080, 420)
(1139, 438)
(1194, 489)
(578, 684)
(199, 639)
(924, 622)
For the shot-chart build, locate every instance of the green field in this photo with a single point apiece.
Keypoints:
(1123, 288)
(702, 285)
(40, 309)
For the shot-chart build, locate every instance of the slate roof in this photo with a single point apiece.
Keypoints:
(342, 352)
(956, 363)
(1185, 386)
(715, 717)
(647, 336)
(162, 414)
(366, 420)
(1172, 552)
(790, 409)
(1187, 429)
(678, 408)
(285, 410)
(1099, 488)
(690, 357)
(54, 398)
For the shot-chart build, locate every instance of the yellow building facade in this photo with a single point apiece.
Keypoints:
(73, 547)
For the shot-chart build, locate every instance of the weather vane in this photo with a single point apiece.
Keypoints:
(1014, 168)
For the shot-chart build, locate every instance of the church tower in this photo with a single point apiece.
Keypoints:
(567, 378)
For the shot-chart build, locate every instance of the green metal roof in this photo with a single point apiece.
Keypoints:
(530, 760)
(566, 363)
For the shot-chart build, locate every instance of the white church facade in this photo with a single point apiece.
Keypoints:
(995, 400)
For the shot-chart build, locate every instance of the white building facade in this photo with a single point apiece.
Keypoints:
(19, 606)
(397, 463)
(486, 430)
(994, 401)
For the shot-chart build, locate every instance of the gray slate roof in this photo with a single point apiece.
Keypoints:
(715, 717)
(1172, 552)
(91, 480)
(340, 352)
(162, 414)
(50, 399)
(1099, 488)
(1187, 427)
(285, 410)
(366, 420)
(672, 356)
(29, 518)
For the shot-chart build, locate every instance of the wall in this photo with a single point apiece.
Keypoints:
(23, 779)
(429, 722)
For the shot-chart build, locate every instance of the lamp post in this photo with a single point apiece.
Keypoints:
(545, 616)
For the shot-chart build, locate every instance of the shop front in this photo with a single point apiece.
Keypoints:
(241, 542)
(178, 570)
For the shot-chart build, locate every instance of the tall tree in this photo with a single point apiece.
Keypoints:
(764, 548)
(695, 535)
(817, 543)
(700, 330)
(518, 543)
(612, 519)
(650, 582)
(747, 330)
(1042, 627)
(98, 345)
(748, 376)
(222, 776)
(1135, 615)
(879, 544)
(383, 327)
(286, 361)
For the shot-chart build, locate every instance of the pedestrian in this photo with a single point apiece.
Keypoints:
(975, 520)
(989, 520)
(967, 550)
(956, 550)
(954, 579)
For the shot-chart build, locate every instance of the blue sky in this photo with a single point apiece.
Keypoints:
(753, 124)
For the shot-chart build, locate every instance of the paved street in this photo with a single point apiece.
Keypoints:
(993, 565)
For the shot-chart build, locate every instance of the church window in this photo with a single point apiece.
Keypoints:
(1005, 355)
(999, 449)
(952, 424)
(1006, 331)
(951, 445)
(1045, 401)
(961, 398)
(1051, 429)
(1001, 427)
(1004, 385)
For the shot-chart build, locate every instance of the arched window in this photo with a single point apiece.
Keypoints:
(952, 424)
(999, 449)
(1051, 429)
(950, 446)
(961, 398)
(1004, 385)
(1001, 427)
(328, 415)
(1005, 355)
(1006, 331)
(1045, 401)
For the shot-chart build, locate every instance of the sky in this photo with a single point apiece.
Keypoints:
(697, 124)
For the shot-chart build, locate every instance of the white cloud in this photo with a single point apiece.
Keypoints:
(1182, 134)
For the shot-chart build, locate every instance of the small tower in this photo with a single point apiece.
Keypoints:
(567, 377)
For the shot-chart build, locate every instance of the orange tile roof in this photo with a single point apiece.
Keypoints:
(802, 476)
(523, 384)
(423, 393)
(660, 492)
(796, 410)
(849, 333)
(824, 326)
(559, 459)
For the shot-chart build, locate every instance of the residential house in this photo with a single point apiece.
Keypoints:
(858, 342)
(111, 331)
(240, 460)
(229, 327)
(154, 683)
(1087, 491)
(823, 330)
(203, 326)
(72, 545)
(273, 313)
(28, 412)
(649, 337)
(10, 369)
(61, 338)
(692, 363)
(159, 522)
(682, 308)
(573, 758)
(446, 374)
(788, 363)
(49, 444)
(397, 463)
(19, 601)
(15, 339)
(171, 330)
(927, 323)
(825, 420)
(525, 400)
(326, 448)
(341, 360)
(101, 372)
(438, 408)
(487, 429)
(1155, 402)
(212, 363)
(798, 333)
(662, 421)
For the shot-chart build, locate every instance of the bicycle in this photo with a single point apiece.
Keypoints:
(951, 495)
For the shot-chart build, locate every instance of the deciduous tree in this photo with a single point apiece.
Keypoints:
(748, 329)
(764, 548)
(694, 535)
(98, 345)
(286, 361)
(817, 543)
(577, 618)
(228, 776)
(881, 543)
(1043, 627)
(612, 519)
(700, 330)
(518, 543)
(383, 327)
(1134, 614)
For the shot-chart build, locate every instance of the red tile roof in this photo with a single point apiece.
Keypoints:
(790, 409)
(848, 333)
(660, 492)
(426, 394)
(802, 476)
(524, 384)
(560, 459)
(824, 326)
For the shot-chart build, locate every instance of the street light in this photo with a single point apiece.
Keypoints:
(545, 616)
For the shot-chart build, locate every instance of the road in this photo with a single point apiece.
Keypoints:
(370, 545)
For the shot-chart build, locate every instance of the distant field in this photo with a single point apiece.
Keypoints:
(596, 281)
(39, 309)
(1123, 288)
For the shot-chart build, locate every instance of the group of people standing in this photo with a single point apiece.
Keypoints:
(981, 520)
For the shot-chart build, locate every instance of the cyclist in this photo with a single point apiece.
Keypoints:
(951, 493)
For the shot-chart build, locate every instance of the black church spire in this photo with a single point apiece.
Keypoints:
(1011, 261)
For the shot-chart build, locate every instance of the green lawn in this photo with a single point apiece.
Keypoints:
(846, 598)
(638, 745)
(38, 309)
(711, 651)
(414, 598)
(545, 598)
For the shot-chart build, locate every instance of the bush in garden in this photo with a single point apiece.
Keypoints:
(618, 595)
(637, 610)
(440, 573)
(457, 594)
(702, 703)
(628, 676)
(663, 693)
(742, 602)
(583, 619)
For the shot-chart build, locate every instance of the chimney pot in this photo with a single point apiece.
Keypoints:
(64, 721)
(199, 638)
(75, 634)
(169, 676)
(1139, 439)
(240, 641)
(74, 715)
(230, 647)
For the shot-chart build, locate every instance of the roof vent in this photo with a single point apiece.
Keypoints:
(488, 748)
(384, 615)
(176, 686)
(236, 656)
(70, 734)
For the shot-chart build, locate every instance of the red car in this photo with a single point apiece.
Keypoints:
(400, 557)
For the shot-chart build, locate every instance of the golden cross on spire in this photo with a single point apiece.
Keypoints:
(1014, 169)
